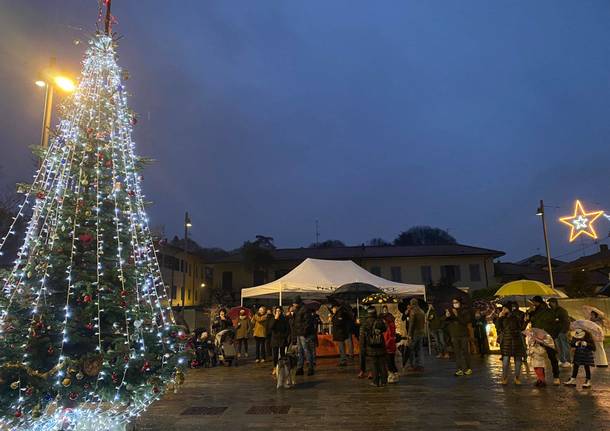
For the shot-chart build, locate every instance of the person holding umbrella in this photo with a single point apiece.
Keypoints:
(510, 325)
(341, 330)
(543, 318)
(597, 316)
(373, 343)
(584, 347)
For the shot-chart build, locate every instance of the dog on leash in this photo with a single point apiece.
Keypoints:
(286, 368)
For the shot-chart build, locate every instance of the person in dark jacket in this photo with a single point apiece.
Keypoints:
(268, 325)
(457, 320)
(541, 316)
(584, 347)
(305, 332)
(479, 325)
(509, 326)
(341, 330)
(221, 322)
(436, 326)
(372, 340)
(279, 334)
(562, 322)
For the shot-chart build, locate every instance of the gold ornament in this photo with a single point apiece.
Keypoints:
(117, 186)
(15, 385)
(80, 375)
(179, 377)
(36, 411)
(66, 382)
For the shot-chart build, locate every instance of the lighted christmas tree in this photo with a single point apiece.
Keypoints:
(87, 338)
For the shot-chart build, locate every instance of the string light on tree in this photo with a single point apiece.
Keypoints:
(87, 336)
(581, 222)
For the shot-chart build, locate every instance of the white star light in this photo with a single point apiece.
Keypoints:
(580, 222)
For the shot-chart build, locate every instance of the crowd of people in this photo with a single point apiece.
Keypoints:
(384, 351)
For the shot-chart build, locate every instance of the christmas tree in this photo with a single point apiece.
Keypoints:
(87, 338)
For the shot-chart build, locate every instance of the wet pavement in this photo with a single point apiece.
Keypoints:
(245, 398)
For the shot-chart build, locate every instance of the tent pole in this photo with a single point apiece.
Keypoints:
(280, 294)
(241, 298)
(357, 308)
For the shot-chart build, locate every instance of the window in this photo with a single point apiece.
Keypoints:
(174, 292)
(451, 273)
(396, 273)
(182, 266)
(376, 270)
(227, 280)
(426, 274)
(475, 272)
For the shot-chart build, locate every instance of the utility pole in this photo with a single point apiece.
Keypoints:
(540, 213)
(317, 233)
(187, 224)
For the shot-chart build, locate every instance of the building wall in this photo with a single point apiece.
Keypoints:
(173, 269)
(410, 271)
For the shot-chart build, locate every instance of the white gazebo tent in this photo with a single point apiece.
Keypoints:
(317, 278)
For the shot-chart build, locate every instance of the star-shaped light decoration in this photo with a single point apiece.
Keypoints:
(581, 223)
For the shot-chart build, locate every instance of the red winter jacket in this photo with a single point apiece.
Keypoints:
(390, 334)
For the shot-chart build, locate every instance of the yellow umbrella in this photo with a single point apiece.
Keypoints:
(525, 288)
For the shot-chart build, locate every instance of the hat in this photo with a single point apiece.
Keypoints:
(537, 299)
(298, 300)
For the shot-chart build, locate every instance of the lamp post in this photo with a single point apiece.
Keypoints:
(51, 79)
(187, 225)
(540, 212)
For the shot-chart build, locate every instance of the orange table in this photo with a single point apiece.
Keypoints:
(327, 347)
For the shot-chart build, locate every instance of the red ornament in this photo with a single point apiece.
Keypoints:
(50, 351)
(40, 195)
(131, 193)
(156, 389)
(126, 359)
(194, 363)
(89, 326)
(115, 378)
(18, 414)
(73, 395)
(87, 299)
(134, 120)
(123, 304)
(85, 238)
(146, 366)
(100, 156)
(124, 293)
(108, 163)
(29, 391)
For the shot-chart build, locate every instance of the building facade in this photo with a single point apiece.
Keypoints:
(184, 273)
(464, 266)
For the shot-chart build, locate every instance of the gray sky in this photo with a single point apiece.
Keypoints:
(264, 116)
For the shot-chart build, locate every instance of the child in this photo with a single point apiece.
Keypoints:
(537, 355)
(583, 355)
(206, 354)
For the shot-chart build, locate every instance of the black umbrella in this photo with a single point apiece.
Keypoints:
(354, 292)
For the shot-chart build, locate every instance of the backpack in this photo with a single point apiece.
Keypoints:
(375, 336)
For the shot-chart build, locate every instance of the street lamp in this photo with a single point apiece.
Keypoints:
(187, 225)
(540, 212)
(50, 79)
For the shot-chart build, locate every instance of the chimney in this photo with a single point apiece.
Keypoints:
(603, 248)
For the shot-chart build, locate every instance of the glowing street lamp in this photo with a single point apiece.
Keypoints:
(49, 80)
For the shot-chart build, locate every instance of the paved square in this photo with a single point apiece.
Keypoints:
(245, 398)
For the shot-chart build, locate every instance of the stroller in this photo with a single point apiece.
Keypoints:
(225, 343)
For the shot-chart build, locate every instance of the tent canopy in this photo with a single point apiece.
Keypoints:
(317, 278)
